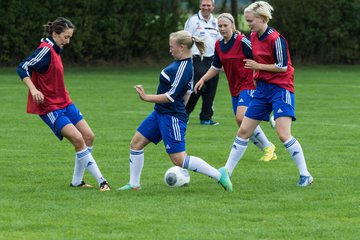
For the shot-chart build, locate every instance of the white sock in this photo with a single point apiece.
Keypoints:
(78, 174)
(259, 138)
(198, 165)
(136, 166)
(237, 151)
(79, 171)
(87, 160)
(90, 149)
(296, 152)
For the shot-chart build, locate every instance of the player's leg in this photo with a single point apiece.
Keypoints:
(284, 114)
(88, 136)
(292, 145)
(76, 118)
(147, 132)
(83, 156)
(240, 144)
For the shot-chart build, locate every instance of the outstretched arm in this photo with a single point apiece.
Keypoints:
(154, 98)
(208, 75)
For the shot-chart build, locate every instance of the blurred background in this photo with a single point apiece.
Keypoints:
(123, 32)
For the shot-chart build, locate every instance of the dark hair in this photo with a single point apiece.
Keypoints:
(58, 26)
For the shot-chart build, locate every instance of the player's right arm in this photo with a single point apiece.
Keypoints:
(38, 61)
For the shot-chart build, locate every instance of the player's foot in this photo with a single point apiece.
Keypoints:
(81, 185)
(209, 122)
(225, 181)
(104, 186)
(129, 187)
(305, 181)
(269, 154)
(272, 122)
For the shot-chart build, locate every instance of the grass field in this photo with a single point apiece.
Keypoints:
(37, 203)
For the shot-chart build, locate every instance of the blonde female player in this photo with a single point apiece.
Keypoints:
(169, 119)
(230, 51)
(274, 75)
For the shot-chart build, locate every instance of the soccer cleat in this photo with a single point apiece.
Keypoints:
(269, 154)
(129, 187)
(82, 185)
(104, 186)
(305, 181)
(209, 122)
(225, 181)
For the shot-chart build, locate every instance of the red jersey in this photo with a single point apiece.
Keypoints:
(263, 52)
(51, 84)
(239, 78)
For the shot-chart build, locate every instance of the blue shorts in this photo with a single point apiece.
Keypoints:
(268, 98)
(243, 99)
(171, 130)
(58, 119)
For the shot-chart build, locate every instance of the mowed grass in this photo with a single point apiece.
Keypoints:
(37, 203)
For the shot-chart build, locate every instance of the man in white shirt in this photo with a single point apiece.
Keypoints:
(204, 26)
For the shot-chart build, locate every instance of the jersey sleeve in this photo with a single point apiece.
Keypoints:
(38, 61)
(280, 53)
(216, 64)
(246, 47)
(180, 82)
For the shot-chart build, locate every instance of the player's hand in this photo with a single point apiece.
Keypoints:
(251, 64)
(198, 86)
(37, 96)
(141, 91)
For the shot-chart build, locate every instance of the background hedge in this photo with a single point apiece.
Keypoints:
(123, 31)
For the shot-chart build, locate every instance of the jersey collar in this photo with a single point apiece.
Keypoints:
(202, 18)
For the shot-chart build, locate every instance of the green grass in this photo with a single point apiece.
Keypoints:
(36, 202)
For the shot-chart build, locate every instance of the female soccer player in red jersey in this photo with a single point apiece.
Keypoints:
(274, 77)
(43, 74)
(230, 51)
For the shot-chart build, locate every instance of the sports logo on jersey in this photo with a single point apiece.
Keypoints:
(167, 146)
(279, 110)
(214, 24)
(241, 100)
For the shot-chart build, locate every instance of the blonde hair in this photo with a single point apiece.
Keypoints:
(185, 38)
(231, 18)
(260, 9)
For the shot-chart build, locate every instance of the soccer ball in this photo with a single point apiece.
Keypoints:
(176, 177)
(272, 122)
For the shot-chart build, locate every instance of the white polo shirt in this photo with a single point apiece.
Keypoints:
(205, 30)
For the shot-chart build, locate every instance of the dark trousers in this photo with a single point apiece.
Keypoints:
(208, 91)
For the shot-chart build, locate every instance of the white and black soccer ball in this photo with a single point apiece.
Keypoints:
(177, 177)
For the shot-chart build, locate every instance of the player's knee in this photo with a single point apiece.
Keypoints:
(78, 141)
(283, 136)
(89, 138)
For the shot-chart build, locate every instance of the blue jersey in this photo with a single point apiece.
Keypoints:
(175, 80)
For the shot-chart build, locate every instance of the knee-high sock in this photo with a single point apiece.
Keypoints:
(79, 170)
(136, 166)
(87, 160)
(259, 138)
(237, 151)
(296, 152)
(198, 165)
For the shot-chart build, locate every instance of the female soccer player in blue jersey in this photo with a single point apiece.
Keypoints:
(43, 74)
(169, 119)
(230, 51)
(274, 76)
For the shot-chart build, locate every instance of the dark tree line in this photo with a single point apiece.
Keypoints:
(120, 31)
